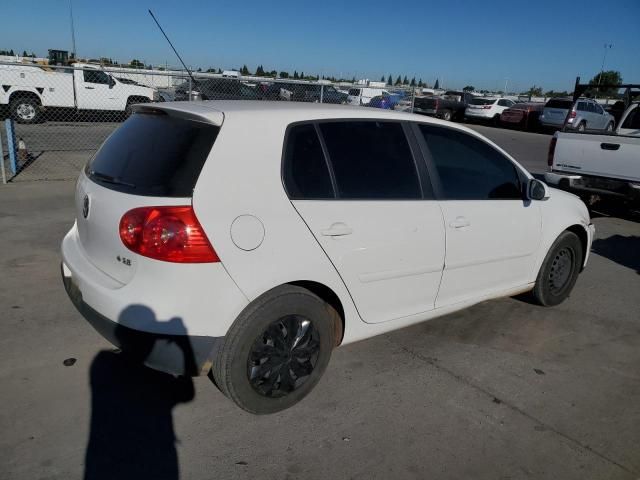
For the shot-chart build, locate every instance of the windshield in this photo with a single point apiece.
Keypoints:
(559, 103)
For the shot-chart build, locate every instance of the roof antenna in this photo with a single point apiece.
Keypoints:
(174, 49)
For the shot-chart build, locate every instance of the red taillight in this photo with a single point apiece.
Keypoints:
(572, 114)
(552, 151)
(486, 107)
(170, 234)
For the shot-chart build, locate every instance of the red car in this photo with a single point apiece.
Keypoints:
(523, 115)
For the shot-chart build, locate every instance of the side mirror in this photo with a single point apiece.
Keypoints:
(537, 190)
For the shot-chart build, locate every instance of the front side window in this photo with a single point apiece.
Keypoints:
(633, 119)
(470, 169)
(96, 76)
(305, 171)
(371, 160)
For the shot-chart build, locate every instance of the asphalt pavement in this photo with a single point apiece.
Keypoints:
(503, 390)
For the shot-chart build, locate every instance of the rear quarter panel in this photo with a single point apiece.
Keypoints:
(242, 177)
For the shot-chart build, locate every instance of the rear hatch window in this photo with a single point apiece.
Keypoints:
(559, 103)
(483, 101)
(354, 92)
(153, 154)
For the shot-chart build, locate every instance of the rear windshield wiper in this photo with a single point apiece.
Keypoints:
(103, 177)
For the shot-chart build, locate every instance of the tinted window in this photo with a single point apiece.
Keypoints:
(582, 107)
(559, 103)
(591, 107)
(470, 169)
(354, 92)
(95, 76)
(154, 155)
(483, 101)
(305, 171)
(371, 160)
(505, 103)
(633, 119)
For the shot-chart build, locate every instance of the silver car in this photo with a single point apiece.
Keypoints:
(585, 114)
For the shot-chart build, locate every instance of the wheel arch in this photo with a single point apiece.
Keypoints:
(24, 94)
(582, 234)
(328, 296)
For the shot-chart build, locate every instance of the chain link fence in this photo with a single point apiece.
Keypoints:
(55, 118)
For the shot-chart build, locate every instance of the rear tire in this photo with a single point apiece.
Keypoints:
(276, 350)
(446, 115)
(582, 127)
(559, 271)
(610, 127)
(25, 110)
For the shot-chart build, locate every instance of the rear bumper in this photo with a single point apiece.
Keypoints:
(425, 111)
(478, 114)
(594, 185)
(176, 354)
(171, 316)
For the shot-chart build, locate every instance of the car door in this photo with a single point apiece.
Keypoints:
(96, 90)
(492, 233)
(601, 119)
(366, 198)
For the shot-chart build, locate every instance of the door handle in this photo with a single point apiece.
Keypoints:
(337, 230)
(459, 222)
(90, 88)
(609, 146)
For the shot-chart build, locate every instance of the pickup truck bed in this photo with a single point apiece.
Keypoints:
(604, 165)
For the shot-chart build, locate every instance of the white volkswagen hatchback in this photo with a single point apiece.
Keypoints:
(246, 240)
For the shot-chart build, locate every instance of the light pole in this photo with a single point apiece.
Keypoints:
(506, 81)
(604, 57)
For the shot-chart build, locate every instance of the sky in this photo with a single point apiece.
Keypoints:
(462, 42)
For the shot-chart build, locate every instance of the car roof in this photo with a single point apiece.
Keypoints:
(215, 111)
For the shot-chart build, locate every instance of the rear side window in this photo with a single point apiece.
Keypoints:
(354, 92)
(583, 107)
(559, 103)
(305, 171)
(153, 155)
(371, 160)
(483, 101)
(470, 169)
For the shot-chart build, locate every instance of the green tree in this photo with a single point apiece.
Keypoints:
(610, 77)
(436, 86)
(301, 75)
(389, 80)
(469, 88)
(24, 53)
(382, 79)
(398, 81)
(295, 75)
(534, 91)
(260, 71)
(284, 74)
(136, 63)
(405, 81)
(552, 93)
(11, 52)
(420, 83)
(244, 70)
(413, 82)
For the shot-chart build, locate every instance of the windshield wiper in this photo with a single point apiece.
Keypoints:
(103, 177)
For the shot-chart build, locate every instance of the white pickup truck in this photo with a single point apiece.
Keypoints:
(27, 90)
(606, 165)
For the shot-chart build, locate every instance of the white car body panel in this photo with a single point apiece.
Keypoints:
(491, 246)
(392, 261)
(242, 178)
(476, 111)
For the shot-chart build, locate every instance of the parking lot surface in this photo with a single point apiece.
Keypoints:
(503, 390)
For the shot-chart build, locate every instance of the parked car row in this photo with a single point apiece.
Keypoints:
(557, 113)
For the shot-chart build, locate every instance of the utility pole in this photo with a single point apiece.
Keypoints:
(73, 32)
(604, 57)
(506, 81)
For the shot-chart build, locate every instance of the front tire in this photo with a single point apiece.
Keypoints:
(559, 271)
(276, 350)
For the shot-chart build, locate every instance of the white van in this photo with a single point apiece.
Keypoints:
(363, 95)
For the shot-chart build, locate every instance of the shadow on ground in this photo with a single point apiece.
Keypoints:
(623, 250)
(132, 435)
